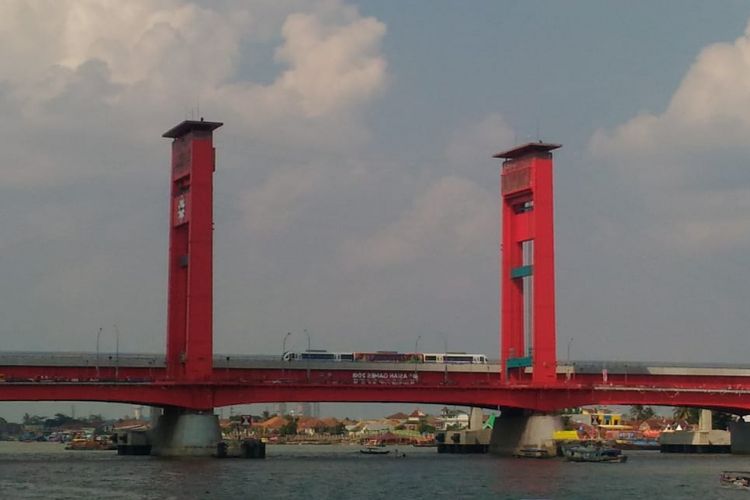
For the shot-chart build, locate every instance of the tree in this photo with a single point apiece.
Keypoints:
(690, 415)
(721, 419)
(449, 412)
(59, 420)
(640, 413)
(290, 427)
(425, 428)
(32, 419)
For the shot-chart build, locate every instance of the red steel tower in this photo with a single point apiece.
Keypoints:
(190, 291)
(528, 264)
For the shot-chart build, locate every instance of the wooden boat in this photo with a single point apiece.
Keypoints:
(374, 450)
(83, 444)
(735, 479)
(595, 453)
(425, 444)
(531, 452)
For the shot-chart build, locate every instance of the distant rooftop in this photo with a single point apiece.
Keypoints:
(189, 126)
(526, 149)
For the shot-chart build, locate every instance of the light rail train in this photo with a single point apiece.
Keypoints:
(387, 357)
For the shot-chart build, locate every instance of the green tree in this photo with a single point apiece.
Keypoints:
(59, 420)
(640, 413)
(33, 419)
(689, 414)
(424, 427)
(290, 427)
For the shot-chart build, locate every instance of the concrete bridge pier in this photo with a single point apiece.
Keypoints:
(517, 430)
(476, 419)
(740, 437)
(186, 433)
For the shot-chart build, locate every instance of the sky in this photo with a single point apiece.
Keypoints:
(355, 194)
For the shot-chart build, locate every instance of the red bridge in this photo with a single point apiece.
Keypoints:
(527, 376)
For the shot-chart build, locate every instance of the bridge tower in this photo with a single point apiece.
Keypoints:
(190, 289)
(527, 264)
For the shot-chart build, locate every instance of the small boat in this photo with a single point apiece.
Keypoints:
(374, 450)
(83, 444)
(531, 452)
(595, 453)
(735, 479)
(425, 444)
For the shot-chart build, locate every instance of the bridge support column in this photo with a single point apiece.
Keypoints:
(513, 432)
(185, 433)
(740, 438)
(476, 419)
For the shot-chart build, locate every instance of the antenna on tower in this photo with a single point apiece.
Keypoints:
(538, 126)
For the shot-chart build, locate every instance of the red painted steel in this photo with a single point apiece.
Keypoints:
(190, 289)
(486, 389)
(528, 216)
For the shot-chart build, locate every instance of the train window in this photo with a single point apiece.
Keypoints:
(318, 355)
(453, 358)
(347, 357)
(430, 357)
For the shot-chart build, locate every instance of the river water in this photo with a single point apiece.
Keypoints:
(46, 471)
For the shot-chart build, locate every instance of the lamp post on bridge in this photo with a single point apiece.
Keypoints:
(117, 351)
(98, 335)
(445, 352)
(283, 344)
(416, 358)
(570, 342)
(308, 339)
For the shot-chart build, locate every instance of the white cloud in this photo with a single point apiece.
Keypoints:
(126, 67)
(706, 111)
(331, 66)
(453, 216)
(475, 144)
(689, 163)
(289, 191)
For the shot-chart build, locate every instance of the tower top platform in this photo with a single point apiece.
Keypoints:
(527, 149)
(190, 126)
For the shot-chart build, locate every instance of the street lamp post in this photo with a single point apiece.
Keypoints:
(308, 350)
(416, 358)
(98, 335)
(445, 365)
(570, 341)
(283, 344)
(117, 351)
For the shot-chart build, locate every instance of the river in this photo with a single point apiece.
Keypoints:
(46, 471)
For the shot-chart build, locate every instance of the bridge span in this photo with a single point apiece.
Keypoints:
(143, 379)
(189, 380)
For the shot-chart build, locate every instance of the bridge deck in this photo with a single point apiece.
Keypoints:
(142, 379)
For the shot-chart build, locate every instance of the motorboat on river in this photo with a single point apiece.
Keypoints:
(593, 453)
(374, 447)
